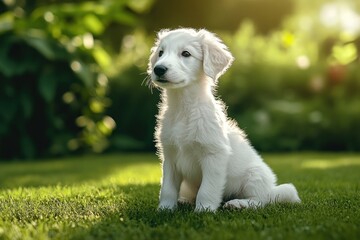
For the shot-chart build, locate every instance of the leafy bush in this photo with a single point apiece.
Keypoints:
(35, 72)
(54, 89)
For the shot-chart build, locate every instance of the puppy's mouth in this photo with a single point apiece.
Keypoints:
(162, 80)
(167, 83)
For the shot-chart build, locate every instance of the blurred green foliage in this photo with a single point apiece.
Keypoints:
(54, 90)
(71, 73)
(297, 88)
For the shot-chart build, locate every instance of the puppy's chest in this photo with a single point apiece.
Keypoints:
(187, 162)
(182, 129)
(181, 133)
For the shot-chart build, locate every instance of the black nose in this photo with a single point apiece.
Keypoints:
(160, 70)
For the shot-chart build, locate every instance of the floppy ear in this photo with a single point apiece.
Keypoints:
(216, 56)
(154, 49)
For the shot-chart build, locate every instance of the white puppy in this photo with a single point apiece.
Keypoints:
(205, 157)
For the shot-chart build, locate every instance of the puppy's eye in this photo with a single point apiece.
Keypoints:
(185, 54)
(161, 53)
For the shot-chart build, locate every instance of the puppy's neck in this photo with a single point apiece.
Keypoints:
(198, 92)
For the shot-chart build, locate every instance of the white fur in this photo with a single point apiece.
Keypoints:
(206, 157)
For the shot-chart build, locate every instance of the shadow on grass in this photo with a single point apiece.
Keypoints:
(66, 171)
(140, 219)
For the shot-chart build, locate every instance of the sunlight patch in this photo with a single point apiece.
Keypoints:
(325, 164)
(139, 174)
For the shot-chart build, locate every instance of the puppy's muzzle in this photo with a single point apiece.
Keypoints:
(159, 71)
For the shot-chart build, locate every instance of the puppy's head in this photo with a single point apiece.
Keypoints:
(183, 56)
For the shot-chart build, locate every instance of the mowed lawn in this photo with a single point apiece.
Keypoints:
(115, 197)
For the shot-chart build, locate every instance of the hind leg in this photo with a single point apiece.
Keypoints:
(256, 195)
(252, 199)
(281, 193)
(256, 191)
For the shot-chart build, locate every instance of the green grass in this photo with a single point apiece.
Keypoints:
(115, 197)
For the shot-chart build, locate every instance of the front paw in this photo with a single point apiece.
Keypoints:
(167, 205)
(205, 207)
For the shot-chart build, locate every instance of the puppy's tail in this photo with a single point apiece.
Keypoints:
(285, 193)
